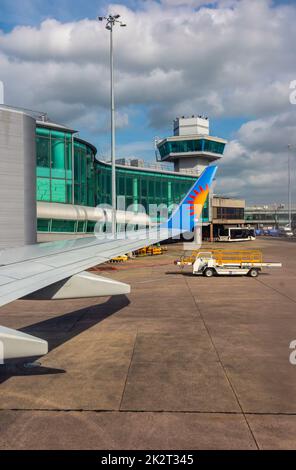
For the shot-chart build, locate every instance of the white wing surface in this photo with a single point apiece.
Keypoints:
(57, 269)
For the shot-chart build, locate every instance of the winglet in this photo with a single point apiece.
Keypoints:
(187, 214)
(15, 344)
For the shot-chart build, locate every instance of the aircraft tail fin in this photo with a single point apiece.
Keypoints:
(187, 214)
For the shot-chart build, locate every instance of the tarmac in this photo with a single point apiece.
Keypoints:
(183, 362)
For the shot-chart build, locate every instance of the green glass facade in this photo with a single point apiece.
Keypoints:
(54, 166)
(63, 175)
(67, 172)
(144, 187)
(85, 193)
(190, 145)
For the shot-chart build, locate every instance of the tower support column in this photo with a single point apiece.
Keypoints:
(211, 232)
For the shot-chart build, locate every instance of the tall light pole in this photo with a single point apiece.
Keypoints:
(111, 20)
(290, 147)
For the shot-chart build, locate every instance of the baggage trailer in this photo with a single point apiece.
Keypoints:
(226, 262)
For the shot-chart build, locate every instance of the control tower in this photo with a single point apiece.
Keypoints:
(191, 148)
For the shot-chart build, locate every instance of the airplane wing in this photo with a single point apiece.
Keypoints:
(57, 269)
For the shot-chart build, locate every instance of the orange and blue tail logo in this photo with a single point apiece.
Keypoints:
(187, 214)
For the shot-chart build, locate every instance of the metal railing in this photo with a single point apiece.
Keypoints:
(150, 165)
(39, 115)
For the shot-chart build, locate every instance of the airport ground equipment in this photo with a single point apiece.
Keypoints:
(151, 250)
(119, 259)
(154, 250)
(226, 262)
(141, 252)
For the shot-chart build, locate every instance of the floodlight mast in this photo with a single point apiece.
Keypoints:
(111, 20)
(290, 148)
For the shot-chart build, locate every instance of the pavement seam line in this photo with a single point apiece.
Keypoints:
(95, 410)
(222, 365)
(128, 371)
(275, 290)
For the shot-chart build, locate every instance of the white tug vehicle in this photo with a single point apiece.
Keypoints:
(226, 262)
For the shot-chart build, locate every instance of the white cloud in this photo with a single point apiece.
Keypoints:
(256, 165)
(229, 61)
(235, 60)
(191, 3)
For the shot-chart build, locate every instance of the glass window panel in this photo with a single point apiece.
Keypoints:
(151, 190)
(43, 225)
(214, 147)
(77, 165)
(59, 134)
(129, 186)
(58, 190)
(69, 191)
(180, 146)
(68, 152)
(43, 152)
(129, 202)
(58, 158)
(63, 226)
(158, 188)
(81, 226)
(83, 194)
(83, 166)
(163, 150)
(91, 183)
(43, 189)
(90, 193)
(77, 196)
(108, 182)
(90, 226)
(42, 131)
(43, 172)
(121, 186)
(230, 213)
(144, 187)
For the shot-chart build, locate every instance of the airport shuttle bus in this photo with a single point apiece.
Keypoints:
(236, 234)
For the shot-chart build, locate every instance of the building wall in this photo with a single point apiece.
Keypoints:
(17, 179)
(269, 217)
(228, 211)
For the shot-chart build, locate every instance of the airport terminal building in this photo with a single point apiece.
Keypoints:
(267, 216)
(71, 179)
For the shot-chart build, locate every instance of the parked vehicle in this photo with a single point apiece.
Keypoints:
(227, 262)
(285, 232)
(236, 234)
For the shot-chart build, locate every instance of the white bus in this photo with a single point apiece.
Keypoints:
(236, 234)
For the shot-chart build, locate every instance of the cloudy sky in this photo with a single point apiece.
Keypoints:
(232, 60)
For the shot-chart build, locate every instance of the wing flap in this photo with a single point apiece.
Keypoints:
(22, 270)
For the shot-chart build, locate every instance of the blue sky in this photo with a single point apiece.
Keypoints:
(33, 12)
(232, 61)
